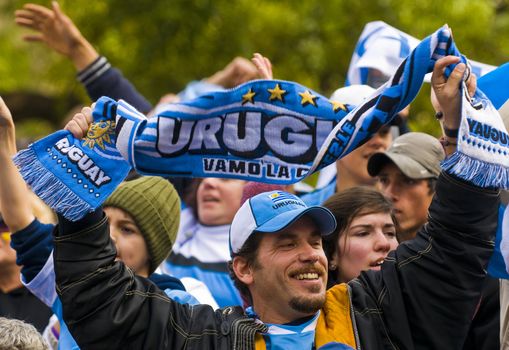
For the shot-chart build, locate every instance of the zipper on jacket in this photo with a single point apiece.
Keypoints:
(352, 316)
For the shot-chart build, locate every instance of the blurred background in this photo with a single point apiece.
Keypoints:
(160, 45)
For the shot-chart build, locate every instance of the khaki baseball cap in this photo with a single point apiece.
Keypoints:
(416, 154)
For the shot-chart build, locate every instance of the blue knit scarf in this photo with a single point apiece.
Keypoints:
(271, 131)
(75, 176)
(274, 131)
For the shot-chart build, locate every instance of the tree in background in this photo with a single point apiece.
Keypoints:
(161, 45)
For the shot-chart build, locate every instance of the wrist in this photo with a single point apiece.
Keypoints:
(218, 78)
(7, 130)
(83, 54)
(448, 130)
(451, 133)
(449, 144)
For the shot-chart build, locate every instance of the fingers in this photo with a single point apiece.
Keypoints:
(263, 65)
(74, 128)
(4, 110)
(33, 38)
(169, 98)
(33, 16)
(438, 76)
(38, 10)
(57, 11)
(471, 84)
(25, 19)
(5, 115)
(268, 64)
(456, 76)
(79, 124)
(434, 101)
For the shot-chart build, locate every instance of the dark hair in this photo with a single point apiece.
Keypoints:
(345, 206)
(249, 251)
(190, 197)
(432, 181)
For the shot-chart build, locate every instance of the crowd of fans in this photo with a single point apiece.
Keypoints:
(387, 252)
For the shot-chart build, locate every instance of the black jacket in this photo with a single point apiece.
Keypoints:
(424, 297)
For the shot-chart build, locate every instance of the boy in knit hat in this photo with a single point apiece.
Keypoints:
(144, 215)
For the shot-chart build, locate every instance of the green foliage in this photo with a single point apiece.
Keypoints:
(161, 45)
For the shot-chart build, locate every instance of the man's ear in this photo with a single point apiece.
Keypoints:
(243, 270)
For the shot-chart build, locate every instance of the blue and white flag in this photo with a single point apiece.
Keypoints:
(383, 48)
(75, 176)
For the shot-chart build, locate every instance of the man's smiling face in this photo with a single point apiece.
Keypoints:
(288, 280)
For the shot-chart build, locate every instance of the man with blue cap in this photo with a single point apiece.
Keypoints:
(280, 267)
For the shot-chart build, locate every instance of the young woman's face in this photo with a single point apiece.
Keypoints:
(364, 244)
(130, 244)
(218, 200)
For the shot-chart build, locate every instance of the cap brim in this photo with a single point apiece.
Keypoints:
(407, 165)
(322, 217)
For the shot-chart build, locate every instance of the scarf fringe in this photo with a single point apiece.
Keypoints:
(49, 188)
(480, 173)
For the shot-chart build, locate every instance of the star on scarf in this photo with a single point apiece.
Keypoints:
(307, 98)
(336, 106)
(248, 97)
(277, 93)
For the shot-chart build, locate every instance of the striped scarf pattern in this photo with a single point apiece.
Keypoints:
(266, 130)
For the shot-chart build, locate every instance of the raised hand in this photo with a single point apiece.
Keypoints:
(57, 31)
(238, 71)
(447, 90)
(7, 131)
(5, 115)
(263, 65)
(78, 125)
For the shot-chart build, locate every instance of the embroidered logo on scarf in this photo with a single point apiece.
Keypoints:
(75, 176)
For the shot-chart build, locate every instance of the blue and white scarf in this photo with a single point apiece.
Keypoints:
(271, 131)
(274, 131)
(75, 176)
(383, 47)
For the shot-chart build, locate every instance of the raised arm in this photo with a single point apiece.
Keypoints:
(446, 98)
(14, 194)
(429, 287)
(30, 238)
(58, 32)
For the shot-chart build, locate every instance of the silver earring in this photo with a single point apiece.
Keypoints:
(333, 267)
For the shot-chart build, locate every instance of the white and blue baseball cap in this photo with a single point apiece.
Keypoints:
(272, 212)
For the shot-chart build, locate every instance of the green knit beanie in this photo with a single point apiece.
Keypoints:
(155, 207)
